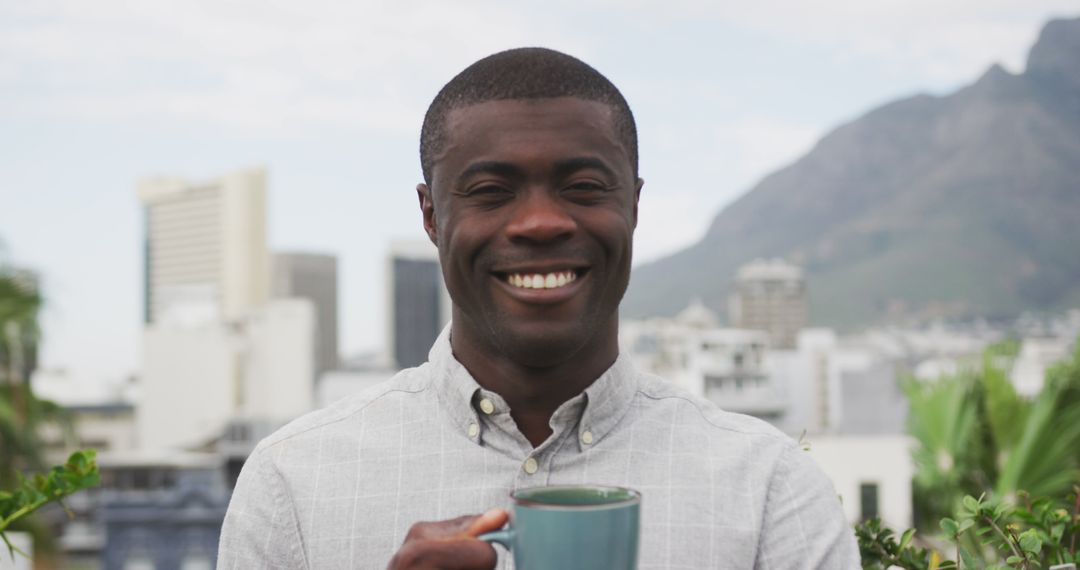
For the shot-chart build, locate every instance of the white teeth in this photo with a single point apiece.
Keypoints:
(537, 281)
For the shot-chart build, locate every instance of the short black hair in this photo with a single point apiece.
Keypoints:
(523, 73)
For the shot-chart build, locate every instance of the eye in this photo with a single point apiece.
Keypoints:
(487, 194)
(586, 190)
(588, 185)
(487, 190)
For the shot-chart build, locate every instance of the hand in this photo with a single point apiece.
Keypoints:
(450, 545)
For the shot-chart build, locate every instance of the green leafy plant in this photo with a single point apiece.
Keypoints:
(80, 472)
(986, 533)
(976, 434)
(880, 548)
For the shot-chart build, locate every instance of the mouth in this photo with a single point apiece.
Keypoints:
(550, 279)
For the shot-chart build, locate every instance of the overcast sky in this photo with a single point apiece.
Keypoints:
(329, 96)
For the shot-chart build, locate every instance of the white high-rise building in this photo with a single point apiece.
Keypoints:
(215, 348)
(205, 248)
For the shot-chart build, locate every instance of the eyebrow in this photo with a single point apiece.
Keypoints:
(571, 165)
(491, 167)
(510, 170)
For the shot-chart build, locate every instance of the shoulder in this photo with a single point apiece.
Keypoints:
(656, 392)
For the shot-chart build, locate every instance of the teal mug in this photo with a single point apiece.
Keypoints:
(572, 527)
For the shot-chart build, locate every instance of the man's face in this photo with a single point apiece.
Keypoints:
(533, 207)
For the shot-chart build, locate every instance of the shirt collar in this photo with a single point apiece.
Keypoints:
(603, 404)
(455, 386)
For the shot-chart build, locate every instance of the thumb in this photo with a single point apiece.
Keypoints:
(493, 519)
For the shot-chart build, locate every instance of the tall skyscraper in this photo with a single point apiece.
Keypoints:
(314, 277)
(770, 295)
(419, 306)
(205, 249)
(215, 348)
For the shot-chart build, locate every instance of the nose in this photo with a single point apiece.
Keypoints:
(540, 217)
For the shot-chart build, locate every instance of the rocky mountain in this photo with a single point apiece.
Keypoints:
(955, 206)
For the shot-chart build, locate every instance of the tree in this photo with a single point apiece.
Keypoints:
(22, 414)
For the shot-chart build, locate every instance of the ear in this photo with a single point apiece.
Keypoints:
(427, 210)
(637, 198)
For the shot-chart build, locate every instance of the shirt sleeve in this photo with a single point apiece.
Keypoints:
(804, 524)
(261, 530)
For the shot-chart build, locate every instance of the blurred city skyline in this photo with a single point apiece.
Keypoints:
(330, 98)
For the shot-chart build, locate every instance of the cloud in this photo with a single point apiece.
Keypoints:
(947, 41)
(269, 66)
(262, 66)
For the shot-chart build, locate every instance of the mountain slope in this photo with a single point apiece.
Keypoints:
(963, 205)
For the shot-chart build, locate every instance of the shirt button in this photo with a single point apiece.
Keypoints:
(586, 437)
(530, 466)
(486, 406)
(474, 430)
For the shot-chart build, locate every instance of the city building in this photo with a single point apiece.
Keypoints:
(872, 475)
(279, 362)
(196, 379)
(159, 510)
(205, 255)
(100, 415)
(314, 277)
(727, 366)
(840, 397)
(192, 382)
(215, 347)
(161, 513)
(418, 304)
(770, 295)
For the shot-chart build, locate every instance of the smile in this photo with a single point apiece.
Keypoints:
(552, 280)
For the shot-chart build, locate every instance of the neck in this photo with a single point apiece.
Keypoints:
(534, 392)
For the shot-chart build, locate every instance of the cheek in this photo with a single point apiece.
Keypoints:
(465, 245)
(615, 233)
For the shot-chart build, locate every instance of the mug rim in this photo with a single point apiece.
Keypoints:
(634, 499)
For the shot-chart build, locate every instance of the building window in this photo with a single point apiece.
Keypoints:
(868, 500)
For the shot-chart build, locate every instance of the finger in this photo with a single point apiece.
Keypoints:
(493, 519)
(441, 529)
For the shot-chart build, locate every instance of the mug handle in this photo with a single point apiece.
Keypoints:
(505, 537)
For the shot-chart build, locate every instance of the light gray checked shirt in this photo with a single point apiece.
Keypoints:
(340, 487)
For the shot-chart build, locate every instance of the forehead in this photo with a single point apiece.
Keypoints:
(531, 128)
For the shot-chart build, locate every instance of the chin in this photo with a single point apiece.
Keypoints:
(542, 349)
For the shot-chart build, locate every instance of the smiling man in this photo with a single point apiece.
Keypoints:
(531, 195)
(533, 203)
